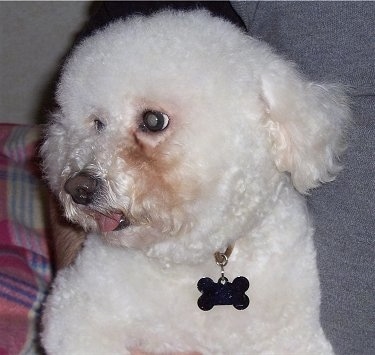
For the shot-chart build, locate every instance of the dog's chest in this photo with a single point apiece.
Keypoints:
(131, 301)
(136, 301)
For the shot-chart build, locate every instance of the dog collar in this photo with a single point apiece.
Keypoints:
(223, 292)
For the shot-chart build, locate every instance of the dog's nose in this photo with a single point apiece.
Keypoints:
(82, 187)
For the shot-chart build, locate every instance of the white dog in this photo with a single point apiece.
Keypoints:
(180, 137)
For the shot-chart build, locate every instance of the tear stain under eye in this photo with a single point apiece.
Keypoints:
(157, 179)
(154, 175)
(138, 142)
(140, 152)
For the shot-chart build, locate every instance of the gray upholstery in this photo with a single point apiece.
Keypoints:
(335, 42)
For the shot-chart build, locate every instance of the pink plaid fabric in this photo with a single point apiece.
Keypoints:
(25, 270)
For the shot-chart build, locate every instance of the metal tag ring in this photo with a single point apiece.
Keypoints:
(221, 259)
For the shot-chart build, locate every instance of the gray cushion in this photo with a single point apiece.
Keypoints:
(335, 42)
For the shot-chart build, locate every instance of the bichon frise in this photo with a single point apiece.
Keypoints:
(182, 145)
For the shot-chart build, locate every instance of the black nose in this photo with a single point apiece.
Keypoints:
(82, 187)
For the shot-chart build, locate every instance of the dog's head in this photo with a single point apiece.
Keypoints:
(180, 127)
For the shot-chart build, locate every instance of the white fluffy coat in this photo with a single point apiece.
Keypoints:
(246, 131)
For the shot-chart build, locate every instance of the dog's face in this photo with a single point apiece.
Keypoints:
(165, 132)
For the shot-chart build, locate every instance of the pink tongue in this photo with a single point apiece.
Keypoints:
(108, 223)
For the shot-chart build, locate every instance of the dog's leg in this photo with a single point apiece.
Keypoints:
(67, 238)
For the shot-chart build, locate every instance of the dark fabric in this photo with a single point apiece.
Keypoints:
(108, 11)
(335, 42)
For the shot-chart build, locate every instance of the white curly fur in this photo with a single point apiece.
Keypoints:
(244, 127)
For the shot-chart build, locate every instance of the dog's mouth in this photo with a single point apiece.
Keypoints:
(111, 222)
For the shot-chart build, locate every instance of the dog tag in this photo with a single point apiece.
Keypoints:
(223, 293)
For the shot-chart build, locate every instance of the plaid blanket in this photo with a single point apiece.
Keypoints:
(25, 270)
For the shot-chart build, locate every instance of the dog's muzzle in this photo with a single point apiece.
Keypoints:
(82, 187)
(85, 189)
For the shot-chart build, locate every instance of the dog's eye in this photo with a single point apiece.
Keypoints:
(154, 121)
(99, 125)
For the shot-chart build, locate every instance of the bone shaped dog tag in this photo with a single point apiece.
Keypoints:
(223, 293)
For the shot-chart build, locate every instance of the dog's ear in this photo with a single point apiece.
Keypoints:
(306, 123)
